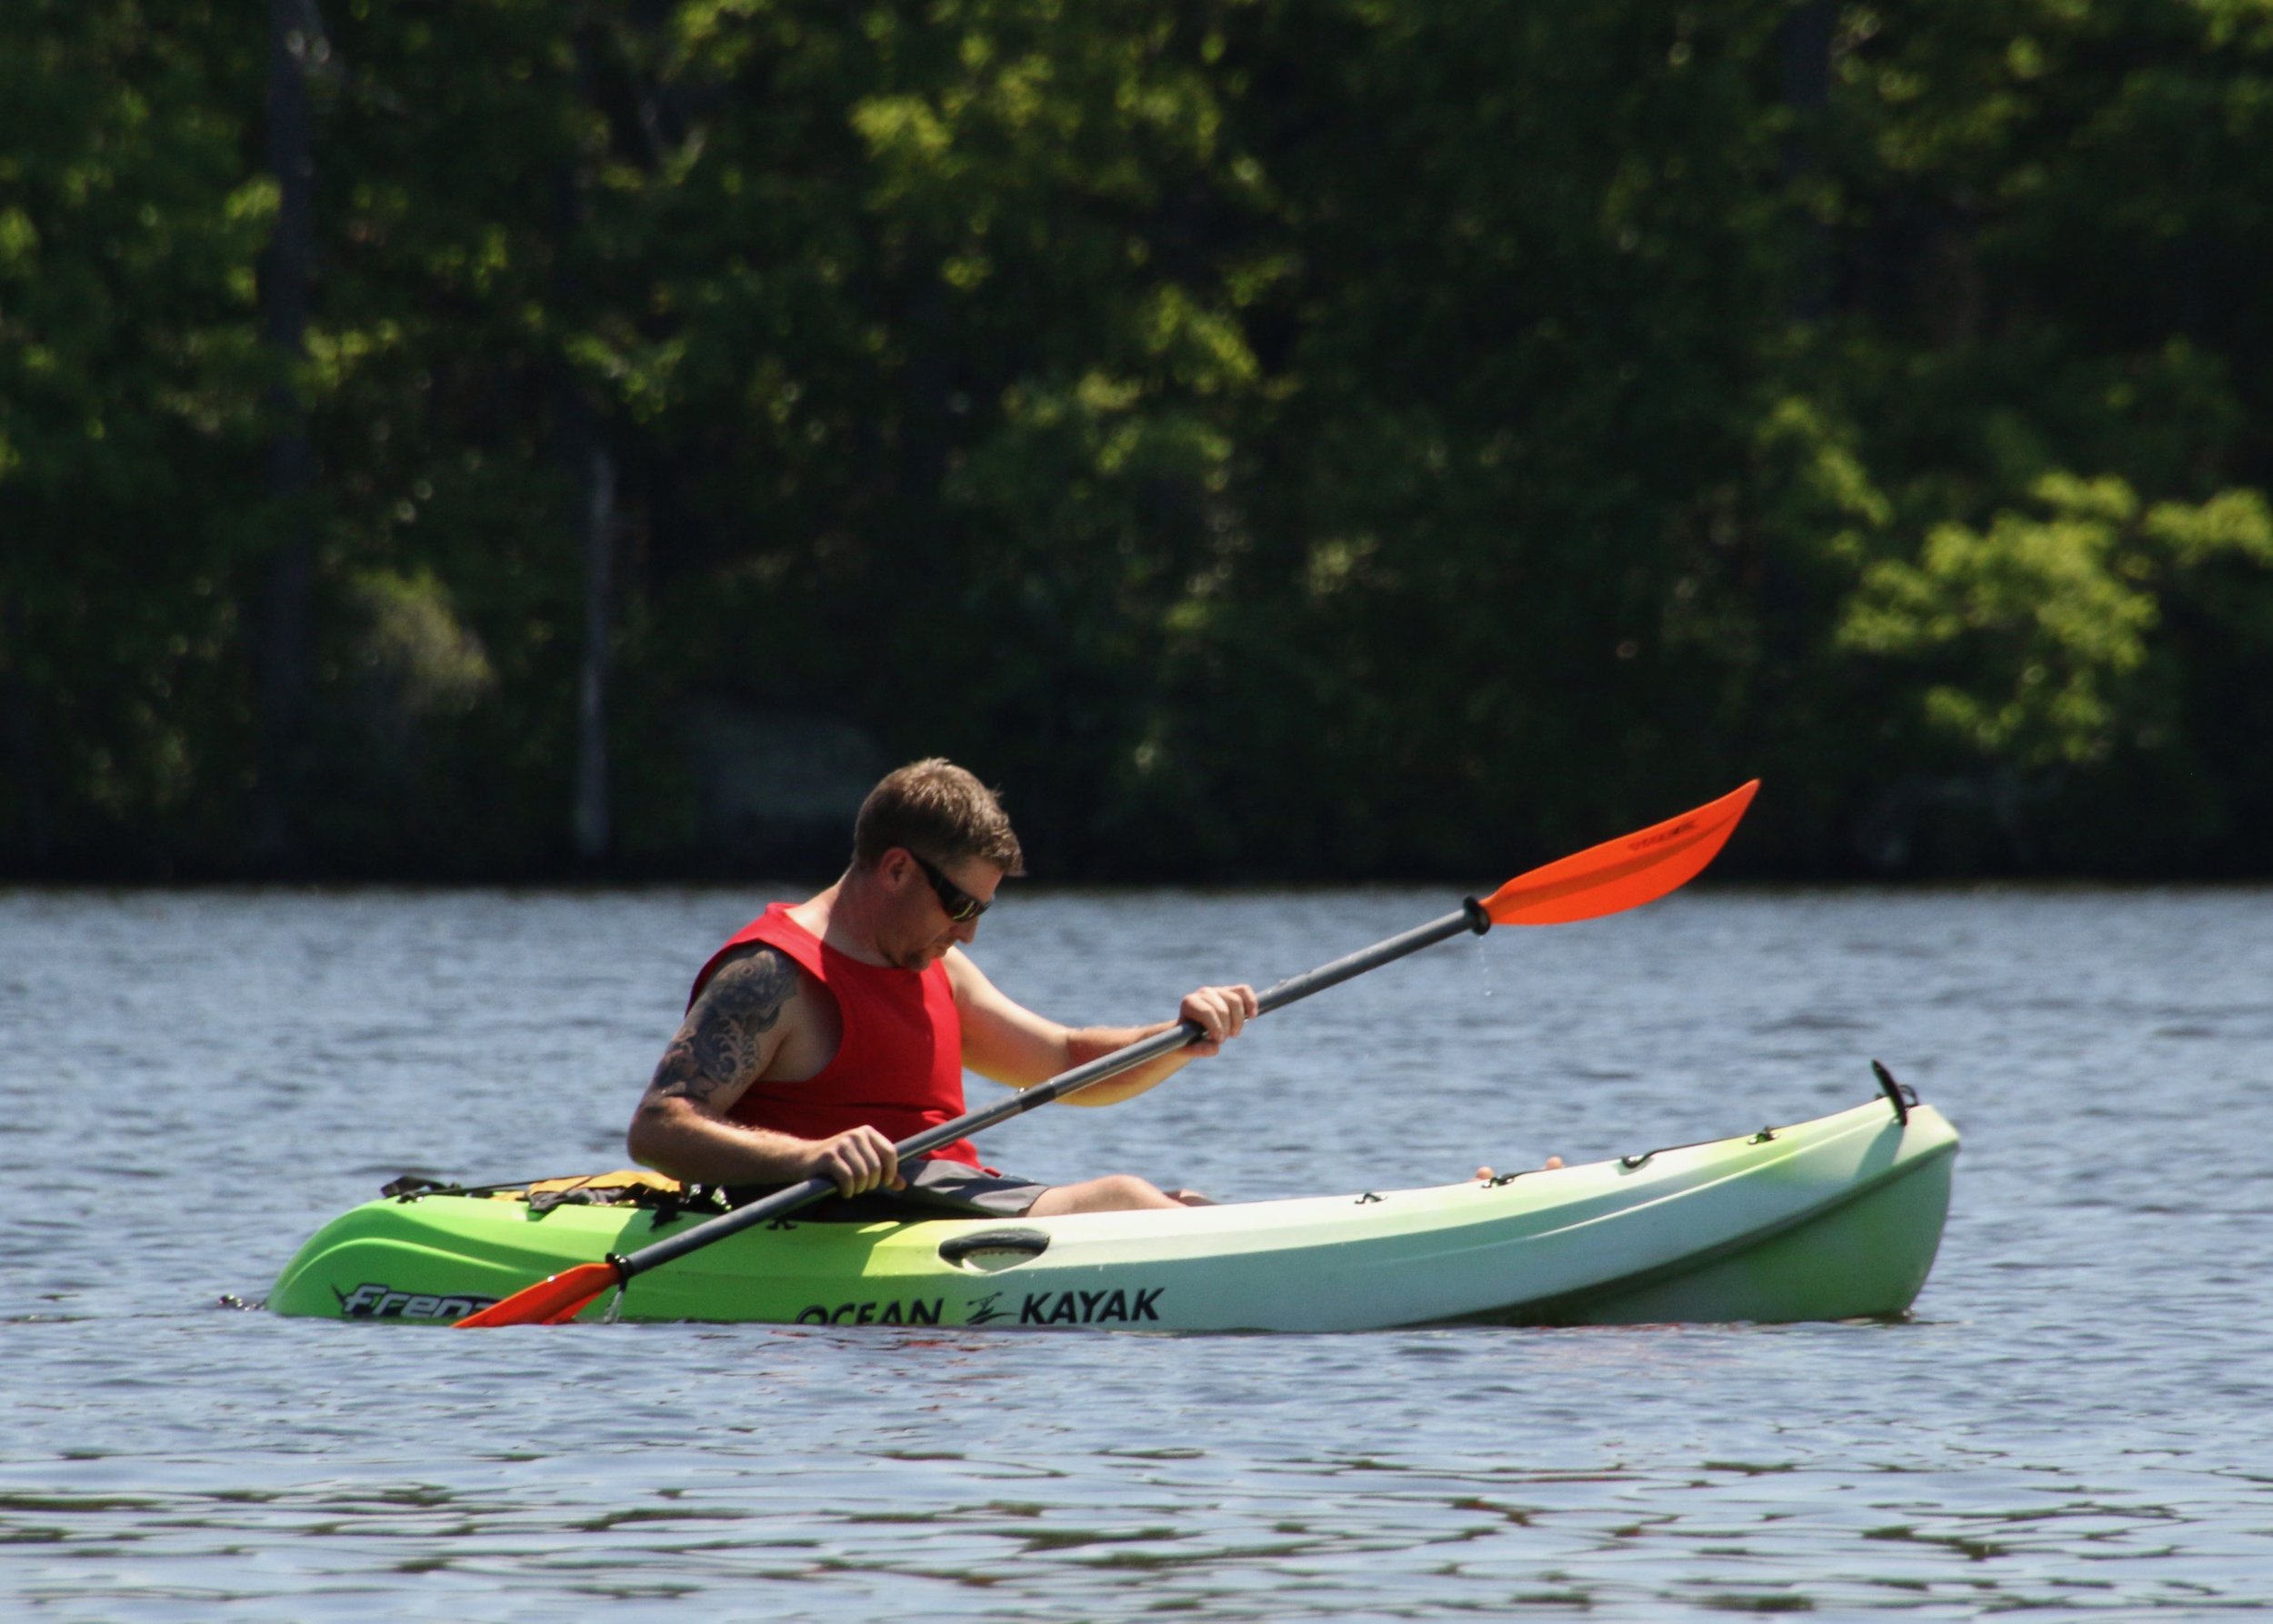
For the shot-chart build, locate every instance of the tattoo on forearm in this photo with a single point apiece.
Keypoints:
(719, 1045)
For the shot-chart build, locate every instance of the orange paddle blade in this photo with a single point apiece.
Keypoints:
(1623, 873)
(549, 1301)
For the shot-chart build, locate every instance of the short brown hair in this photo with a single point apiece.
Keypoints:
(940, 811)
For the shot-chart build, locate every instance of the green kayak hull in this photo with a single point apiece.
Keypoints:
(1834, 1218)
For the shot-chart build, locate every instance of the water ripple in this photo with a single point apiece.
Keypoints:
(2075, 1421)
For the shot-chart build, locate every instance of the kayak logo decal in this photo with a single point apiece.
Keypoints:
(916, 1312)
(1089, 1307)
(1034, 1307)
(376, 1301)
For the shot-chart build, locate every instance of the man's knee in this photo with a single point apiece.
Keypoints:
(1115, 1192)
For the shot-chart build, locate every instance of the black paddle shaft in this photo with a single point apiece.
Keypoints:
(1470, 917)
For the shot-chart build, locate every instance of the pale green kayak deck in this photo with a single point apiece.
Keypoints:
(1832, 1218)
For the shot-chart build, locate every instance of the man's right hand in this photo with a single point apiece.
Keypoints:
(857, 1161)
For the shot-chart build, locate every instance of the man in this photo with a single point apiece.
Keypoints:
(822, 1033)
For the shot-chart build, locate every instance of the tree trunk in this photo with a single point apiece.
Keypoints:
(283, 628)
(599, 554)
(583, 455)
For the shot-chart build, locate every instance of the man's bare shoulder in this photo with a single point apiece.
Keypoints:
(967, 980)
(755, 974)
(732, 1028)
(959, 966)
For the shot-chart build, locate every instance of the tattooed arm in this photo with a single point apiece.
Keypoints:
(748, 1015)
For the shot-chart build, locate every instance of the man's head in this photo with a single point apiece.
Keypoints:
(930, 847)
(941, 813)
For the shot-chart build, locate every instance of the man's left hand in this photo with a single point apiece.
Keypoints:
(1219, 1012)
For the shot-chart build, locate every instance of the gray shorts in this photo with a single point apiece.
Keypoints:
(936, 1188)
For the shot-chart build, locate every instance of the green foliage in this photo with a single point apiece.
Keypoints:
(2038, 633)
(130, 375)
(1330, 439)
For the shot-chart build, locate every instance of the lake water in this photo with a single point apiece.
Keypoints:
(2078, 1419)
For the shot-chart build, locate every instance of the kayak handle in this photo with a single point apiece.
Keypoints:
(1895, 1091)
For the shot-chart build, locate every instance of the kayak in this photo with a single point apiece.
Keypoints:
(1834, 1218)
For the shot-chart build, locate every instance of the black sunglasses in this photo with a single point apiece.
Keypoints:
(961, 905)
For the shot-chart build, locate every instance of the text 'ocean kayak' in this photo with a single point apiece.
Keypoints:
(1832, 1218)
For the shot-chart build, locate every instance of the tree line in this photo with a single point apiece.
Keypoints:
(1271, 438)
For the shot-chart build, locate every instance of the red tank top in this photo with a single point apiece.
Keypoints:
(898, 1065)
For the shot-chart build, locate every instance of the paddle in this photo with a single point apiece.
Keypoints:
(1603, 879)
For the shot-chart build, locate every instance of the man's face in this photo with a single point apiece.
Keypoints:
(924, 928)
